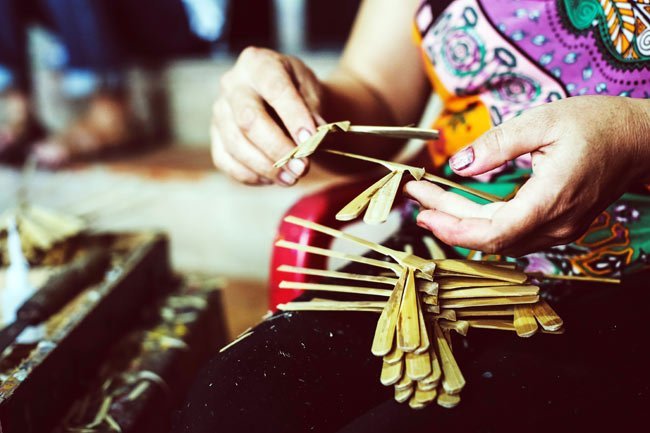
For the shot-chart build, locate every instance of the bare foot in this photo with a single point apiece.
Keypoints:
(105, 125)
(18, 126)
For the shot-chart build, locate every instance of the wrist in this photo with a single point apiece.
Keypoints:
(641, 138)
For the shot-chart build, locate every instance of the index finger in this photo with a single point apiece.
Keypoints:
(492, 228)
(274, 83)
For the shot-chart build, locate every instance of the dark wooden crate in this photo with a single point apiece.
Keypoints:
(47, 377)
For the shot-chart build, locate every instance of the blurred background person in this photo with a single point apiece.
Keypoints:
(95, 41)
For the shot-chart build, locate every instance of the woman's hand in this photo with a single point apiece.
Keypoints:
(246, 139)
(586, 151)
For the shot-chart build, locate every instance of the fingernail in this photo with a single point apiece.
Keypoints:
(303, 135)
(462, 159)
(297, 166)
(286, 178)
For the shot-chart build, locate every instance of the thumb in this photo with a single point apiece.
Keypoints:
(518, 136)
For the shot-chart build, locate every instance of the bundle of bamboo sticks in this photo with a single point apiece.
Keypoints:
(40, 228)
(421, 302)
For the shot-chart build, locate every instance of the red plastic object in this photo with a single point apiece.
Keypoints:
(320, 207)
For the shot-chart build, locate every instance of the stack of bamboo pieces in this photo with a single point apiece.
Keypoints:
(40, 228)
(422, 301)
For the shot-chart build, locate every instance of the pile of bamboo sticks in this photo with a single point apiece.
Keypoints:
(420, 303)
(39, 228)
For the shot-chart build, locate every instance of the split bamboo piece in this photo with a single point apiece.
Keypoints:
(382, 201)
(395, 355)
(387, 323)
(309, 146)
(485, 302)
(426, 267)
(546, 316)
(452, 379)
(418, 365)
(480, 312)
(453, 283)
(391, 373)
(448, 401)
(337, 255)
(401, 395)
(524, 321)
(499, 324)
(584, 278)
(337, 274)
(335, 288)
(408, 325)
(418, 174)
(489, 292)
(360, 203)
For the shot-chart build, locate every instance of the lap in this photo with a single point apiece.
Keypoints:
(313, 371)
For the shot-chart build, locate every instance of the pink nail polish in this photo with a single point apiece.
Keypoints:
(286, 178)
(303, 135)
(462, 159)
(297, 166)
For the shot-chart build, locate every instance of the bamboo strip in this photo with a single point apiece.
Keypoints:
(448, 401)
(444, 181)
(382, 201)
(546, 316)
(297, 285)
(404, 383)
(425, 266)
(401, 395)
(453, 283)
(424, 335)
(337, 255)
(482, 269)
(452, 379)
(479, 312)
(385, 332)
(400, 132)
(416, 172)
(498, 324)
(331, 306)
(408, 326)
(489, 302)
(338, 274)
(418, 365)
(585, 278)
(524, 321)
(395, 355)
(425, 396)
(490, 292)
(391, 373)
(354, 208)
(416, 405)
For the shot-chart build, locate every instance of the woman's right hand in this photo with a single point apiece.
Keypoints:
(246, 138)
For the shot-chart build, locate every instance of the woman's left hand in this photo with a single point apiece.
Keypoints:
(586, 151)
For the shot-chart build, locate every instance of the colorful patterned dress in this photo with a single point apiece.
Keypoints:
(490, 60)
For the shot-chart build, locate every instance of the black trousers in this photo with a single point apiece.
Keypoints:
(313, 372)
(100, 35)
